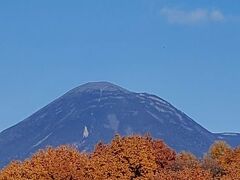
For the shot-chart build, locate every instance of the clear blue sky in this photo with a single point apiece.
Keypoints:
(183, 51)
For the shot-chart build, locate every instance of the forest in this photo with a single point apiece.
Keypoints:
(127, 158)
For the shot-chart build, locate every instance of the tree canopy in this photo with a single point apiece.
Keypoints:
(127, 158)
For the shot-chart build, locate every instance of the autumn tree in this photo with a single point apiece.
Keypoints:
(219, 150)
(231, 164)
(127, 158)
(185, 167)
(214, 160)
(64, 162)
(184, 174)
(185, 160)
(132, 157)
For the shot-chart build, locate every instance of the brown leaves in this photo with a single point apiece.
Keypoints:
(127, 158)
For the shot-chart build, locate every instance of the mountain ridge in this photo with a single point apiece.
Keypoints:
(96, 111)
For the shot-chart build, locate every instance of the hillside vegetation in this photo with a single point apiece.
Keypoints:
(127, 158)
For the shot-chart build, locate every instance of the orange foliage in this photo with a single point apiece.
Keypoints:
(219, 150)
(223, 161)
(213, 166)
(127, 158)
(185, 167)
(184, 174)
(131, 157)
(63, 162)
(231, 164)
(185, 160)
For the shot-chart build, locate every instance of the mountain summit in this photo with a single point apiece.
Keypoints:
(99, 86)
(96, 111)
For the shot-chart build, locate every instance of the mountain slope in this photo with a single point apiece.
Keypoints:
(96, 111)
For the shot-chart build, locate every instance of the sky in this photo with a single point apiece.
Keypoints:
(186, 52)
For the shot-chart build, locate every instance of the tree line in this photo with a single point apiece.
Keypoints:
(127, 158)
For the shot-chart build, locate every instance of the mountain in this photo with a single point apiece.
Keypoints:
(96, 111)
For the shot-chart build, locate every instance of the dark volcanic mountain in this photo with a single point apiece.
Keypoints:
(96, 111)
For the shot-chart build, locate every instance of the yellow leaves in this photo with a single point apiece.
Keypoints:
(127, 158)
(219, 150)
